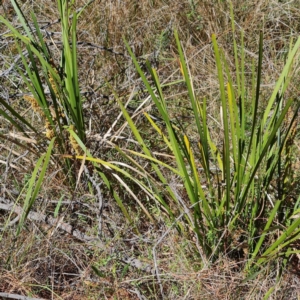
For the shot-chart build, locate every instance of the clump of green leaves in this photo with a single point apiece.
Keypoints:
(236, 197)
(53, 86)
(52, 90)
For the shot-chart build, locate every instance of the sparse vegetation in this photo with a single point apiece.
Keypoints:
(150, 149)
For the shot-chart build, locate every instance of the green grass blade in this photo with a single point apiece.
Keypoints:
(15, 115)
(225, 128)
(148, 153)
(58, 206)
(236, 60)
(265, 147)
(196, 115)
(42, 45)
(256, 99)
(22, 19)
(281, 80)
(35, 184)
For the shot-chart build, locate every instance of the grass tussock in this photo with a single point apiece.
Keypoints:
(149, 149)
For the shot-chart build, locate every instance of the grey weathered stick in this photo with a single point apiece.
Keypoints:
(18, 297)
(6, 204)
(10, 206)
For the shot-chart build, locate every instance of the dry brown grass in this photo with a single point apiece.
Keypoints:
(47, 263)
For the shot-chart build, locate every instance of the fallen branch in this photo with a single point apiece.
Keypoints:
(16, 296)
(8, 205)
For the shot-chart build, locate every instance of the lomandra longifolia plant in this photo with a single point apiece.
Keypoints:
(237, 197)
(51, 89)
(51, 86)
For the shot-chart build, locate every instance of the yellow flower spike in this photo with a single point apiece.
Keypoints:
(49, 131)
(53, 85)
(74, 143)
(34, 104)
